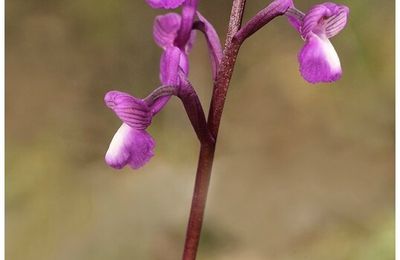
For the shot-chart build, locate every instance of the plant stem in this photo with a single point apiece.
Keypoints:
(199, 201)
(207, 149)
(263, 17)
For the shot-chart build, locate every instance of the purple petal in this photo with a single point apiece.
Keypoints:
(213, 43)
(170, 66)
(172, 62)
(184, 33)
(129, 146)
(325, 19)
(165, 29)
(132, 111)
(165, 4)
(319, 61)
(337, 22)
(184, 63)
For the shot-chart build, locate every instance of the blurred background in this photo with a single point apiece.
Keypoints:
(301, 171)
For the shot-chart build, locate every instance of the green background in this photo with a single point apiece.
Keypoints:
(301, 171)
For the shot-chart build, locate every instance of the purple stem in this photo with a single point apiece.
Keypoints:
(160, 93)
(235, 37)
(207, 149)
(263, 17)
(186, 93)
(194, 109)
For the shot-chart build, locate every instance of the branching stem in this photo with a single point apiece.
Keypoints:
(234, 39)
(207, 149)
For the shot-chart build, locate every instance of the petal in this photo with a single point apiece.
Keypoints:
(184, 63)
(165, 4)
(172, 62)
(337, 22)
(165, 29)
(319, 61)
(328, 19)
(129, 146)
(170, 66)
(213, 43)
(132, 111)
(184, 33)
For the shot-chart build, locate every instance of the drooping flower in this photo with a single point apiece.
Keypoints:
(318, 59)
(131, 144)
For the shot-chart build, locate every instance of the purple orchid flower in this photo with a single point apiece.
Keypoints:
(175, 35)
(318, 59)
(131, 144)
(168, 33)
(165, 33)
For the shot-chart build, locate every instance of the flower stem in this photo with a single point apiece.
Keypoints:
(273, 10)
(207, 149)
(199, 199)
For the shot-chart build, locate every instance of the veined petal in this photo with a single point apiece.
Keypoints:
(132, 111)
(165, 4)
(325, 19)
(336, 23)
(165, 29)
(129, 146)
(319, 61)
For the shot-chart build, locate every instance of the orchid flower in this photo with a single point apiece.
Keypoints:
(131, 144)
(168, 30)
(165, 32)
(175, 35)
(318, 59)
